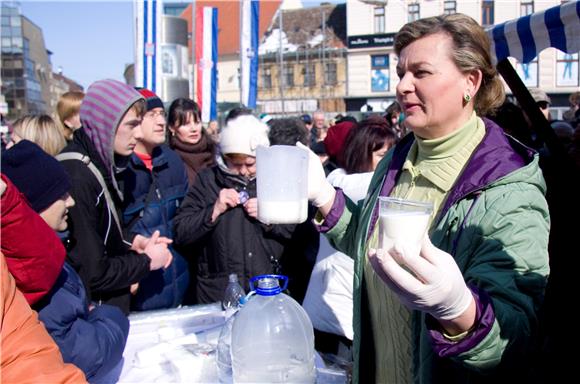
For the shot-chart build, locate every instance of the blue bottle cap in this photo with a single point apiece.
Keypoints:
(268, 285)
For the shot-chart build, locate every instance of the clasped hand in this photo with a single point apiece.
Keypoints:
(429, 281)
(155, 247)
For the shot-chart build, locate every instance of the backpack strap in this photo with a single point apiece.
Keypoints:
(87, 161)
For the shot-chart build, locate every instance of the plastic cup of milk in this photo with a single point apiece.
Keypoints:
(403, 222)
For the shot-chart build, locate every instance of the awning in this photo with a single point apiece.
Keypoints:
(524, 38)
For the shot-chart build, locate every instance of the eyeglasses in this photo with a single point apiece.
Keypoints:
(543, 104)
(154, 114)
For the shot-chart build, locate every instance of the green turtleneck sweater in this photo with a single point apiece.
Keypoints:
(432, 166)
(429, 172)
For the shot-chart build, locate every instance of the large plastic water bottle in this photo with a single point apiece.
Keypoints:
(272, 337)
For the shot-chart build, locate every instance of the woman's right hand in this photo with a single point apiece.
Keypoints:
(228, 198)
(320, 192)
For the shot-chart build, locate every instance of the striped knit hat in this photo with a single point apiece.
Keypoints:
(102, 109)
(153, 101)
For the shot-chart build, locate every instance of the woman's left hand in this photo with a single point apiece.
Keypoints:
(251, 207)
(430, 281)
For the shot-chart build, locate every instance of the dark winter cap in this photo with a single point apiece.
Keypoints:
(306, 119)
(153, 101)
(39, 176)
(336, 139)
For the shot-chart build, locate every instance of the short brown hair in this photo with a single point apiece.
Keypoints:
(139, 107)
(236, 156)
(471, 52)
(42, 130)
(69, 104)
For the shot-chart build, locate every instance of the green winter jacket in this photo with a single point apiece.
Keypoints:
(495, 223)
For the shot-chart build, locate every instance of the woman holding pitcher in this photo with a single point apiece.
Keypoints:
(464, 308)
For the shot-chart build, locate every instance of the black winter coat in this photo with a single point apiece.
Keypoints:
(98, 252)
(235, 243)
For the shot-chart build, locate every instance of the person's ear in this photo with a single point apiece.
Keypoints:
(473, 80)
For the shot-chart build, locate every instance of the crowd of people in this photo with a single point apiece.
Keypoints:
(122, 203)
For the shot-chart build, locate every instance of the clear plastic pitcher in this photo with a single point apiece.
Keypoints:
(272, 337)
(282, 184)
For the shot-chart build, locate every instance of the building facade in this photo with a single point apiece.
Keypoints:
(372, 25)
(26, 71)
(27, 84)
(175, 59)
(60, 85)
(303, 64)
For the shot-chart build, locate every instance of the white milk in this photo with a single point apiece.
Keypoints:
(282, 212)
(406, 228)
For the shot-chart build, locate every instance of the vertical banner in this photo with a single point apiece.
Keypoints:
(249, 20)
(148, 14)
(206, 54)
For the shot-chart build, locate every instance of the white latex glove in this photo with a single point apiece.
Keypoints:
(320, 191)
(430, 282)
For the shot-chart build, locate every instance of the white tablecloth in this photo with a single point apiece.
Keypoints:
(173, 346)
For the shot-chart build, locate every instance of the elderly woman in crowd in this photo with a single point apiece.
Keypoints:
(217, 220)
(465, 307)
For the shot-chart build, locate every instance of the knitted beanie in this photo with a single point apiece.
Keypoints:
(102, 109)
(336, 139)
(265, 118)
(153, 101)
(39, 176)
(243, 135)
(306, 119)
